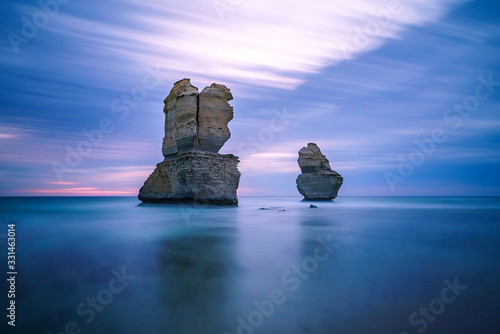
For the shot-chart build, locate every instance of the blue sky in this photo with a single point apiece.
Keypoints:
(365, 80)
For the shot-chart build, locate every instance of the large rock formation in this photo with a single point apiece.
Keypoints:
(195, 130)
(318, 181)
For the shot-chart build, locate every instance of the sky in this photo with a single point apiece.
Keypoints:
(402, 96)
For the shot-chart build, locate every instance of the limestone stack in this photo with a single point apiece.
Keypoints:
(318, 181)
(195, 130)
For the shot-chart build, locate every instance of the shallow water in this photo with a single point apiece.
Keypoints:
(356, 265)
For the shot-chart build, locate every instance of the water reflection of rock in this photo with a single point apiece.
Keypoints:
(316, 306)
(196, 273)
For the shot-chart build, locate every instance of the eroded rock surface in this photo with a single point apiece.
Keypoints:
(195, 130)
(201, 177)
(213, 116)
(196, 121)
(181, 112)
(318, 181)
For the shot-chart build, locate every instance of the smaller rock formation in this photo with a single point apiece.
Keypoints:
(318, 182)
(195, 130)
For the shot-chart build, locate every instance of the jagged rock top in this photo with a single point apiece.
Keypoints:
(196, 121)
(181, 88)
(312, 161)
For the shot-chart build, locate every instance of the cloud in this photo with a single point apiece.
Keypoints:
(60, 183)
(258, 42)
(83, 191)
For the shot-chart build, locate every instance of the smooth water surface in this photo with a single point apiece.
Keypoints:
(272, 265)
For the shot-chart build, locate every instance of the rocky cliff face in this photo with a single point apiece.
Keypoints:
(195, 130)
(213, 116)
(318, 181)
(196, 121)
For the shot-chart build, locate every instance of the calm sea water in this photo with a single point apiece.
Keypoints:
(356, 265)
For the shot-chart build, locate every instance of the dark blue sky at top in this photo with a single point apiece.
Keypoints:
(365, 113)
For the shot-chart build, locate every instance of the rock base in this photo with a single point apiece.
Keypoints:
(194, 177)
(319, 187)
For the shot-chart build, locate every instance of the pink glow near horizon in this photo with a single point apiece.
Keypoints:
(83, 191)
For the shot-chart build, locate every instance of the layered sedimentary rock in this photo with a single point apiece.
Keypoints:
(318, 181)
(213, 116)
(195, 130)
(202, 177)
(196, 121)
(181, 112)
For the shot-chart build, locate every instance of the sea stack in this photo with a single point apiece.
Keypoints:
(195, 130)
(318, 182)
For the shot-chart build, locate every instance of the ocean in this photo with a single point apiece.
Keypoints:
(399, 265)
